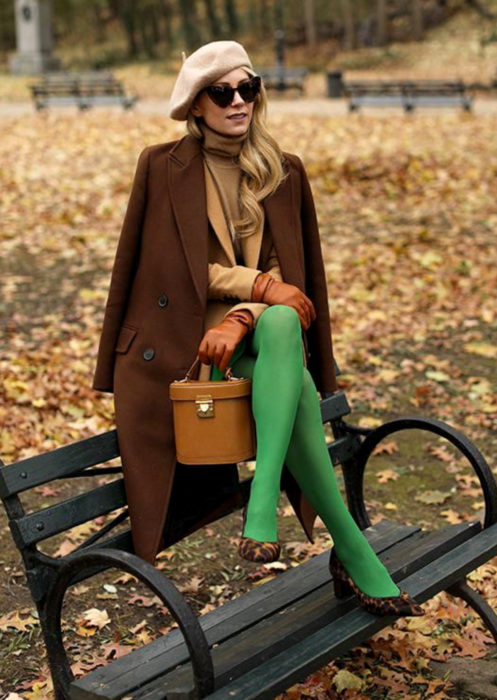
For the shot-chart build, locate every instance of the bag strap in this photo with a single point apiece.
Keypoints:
(188, 376)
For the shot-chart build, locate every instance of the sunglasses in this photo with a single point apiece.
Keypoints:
(222, 95)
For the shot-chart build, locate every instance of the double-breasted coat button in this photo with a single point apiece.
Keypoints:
(163, 301)
(148, 354)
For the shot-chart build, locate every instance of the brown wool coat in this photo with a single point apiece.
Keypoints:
(169, 285)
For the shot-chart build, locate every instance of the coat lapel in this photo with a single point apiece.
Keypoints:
(188, 200)
(194, 200)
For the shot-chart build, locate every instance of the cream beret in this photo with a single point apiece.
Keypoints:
(201, 68)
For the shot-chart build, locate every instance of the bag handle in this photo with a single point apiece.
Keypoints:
(228, 374)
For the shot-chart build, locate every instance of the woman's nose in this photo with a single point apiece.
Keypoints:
(237, 100)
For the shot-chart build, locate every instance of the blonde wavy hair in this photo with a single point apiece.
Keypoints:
(260, 161)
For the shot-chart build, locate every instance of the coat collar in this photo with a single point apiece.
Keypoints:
(187, 185)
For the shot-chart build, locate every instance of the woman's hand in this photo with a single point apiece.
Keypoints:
(271, 291)
(219, 343)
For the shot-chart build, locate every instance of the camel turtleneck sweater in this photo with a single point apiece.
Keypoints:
(221, 156)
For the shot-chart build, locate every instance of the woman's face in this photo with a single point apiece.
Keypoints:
(222, 119)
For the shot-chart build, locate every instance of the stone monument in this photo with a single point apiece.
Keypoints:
(34, 39)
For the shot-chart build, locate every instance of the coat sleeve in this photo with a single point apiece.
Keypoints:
(320, 360)
(237, 281)
(122, 276)
(256, 308)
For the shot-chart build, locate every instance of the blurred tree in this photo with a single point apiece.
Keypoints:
(381, 22)
(190, 24)
(167, 14)
(232, 19)
(310, 23)
(127, 13)
(148, 23)
(417, 19)
(348, 24)
(265, 24)
(7, 26)
(213, 19)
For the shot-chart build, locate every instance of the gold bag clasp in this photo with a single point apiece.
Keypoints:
(205, 406)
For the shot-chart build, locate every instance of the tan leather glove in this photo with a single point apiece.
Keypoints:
(219, 343)
(270, 291)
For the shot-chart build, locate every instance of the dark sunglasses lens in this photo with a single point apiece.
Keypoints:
(222, 95)
(249, 91)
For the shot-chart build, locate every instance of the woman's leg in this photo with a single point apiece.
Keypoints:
(307, 458)
(309, 462)
(276, 388)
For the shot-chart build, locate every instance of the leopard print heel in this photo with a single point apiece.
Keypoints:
(253, 550)
(401, 605)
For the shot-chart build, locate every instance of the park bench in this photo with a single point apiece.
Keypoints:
(408, 94)
(259, 644)
(85, 90)
(281, 78)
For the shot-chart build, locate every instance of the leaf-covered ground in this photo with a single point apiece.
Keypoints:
(408, 216)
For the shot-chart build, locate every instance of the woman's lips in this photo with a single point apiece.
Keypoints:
(238, 117)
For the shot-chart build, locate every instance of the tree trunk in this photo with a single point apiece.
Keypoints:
(348, 24)
(189, 24)
(417, 19)
(167, 15)
(381, 22)
(146, 33)
(264, 19)
(99, 24)
(310, 23)
(128, 18)
(155, 24)
(213, 19)
(232, 19)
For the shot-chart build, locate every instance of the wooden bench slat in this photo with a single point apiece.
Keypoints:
(334, 407)
(270, 636)
(297, 662)
(112, 682)
(63, 516)
(58, 463)
(229, 619)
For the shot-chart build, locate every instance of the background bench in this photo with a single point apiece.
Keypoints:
(85, 90)
(282, 78)
(408, 94)
(276, 634)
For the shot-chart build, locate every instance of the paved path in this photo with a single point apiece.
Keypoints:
(306, 106)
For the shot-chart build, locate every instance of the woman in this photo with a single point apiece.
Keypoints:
(262, 250)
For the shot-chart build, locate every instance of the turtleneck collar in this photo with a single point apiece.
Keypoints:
(220, 145)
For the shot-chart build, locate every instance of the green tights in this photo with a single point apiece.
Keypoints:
(289, 429)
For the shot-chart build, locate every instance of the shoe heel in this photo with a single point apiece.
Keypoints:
(341, 587)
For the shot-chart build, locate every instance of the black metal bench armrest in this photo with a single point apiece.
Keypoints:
(455, 437)
(164, 588)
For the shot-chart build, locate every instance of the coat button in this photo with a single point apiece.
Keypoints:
(163, 301)
(148, 354)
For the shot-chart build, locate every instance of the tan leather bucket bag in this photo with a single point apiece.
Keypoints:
(213, 421)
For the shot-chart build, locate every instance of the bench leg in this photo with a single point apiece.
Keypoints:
(94, 561)
(462, 590)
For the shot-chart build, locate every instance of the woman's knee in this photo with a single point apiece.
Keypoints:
(280, 321)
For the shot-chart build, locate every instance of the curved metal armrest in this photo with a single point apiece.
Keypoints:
(181, 611)
(456, 438)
